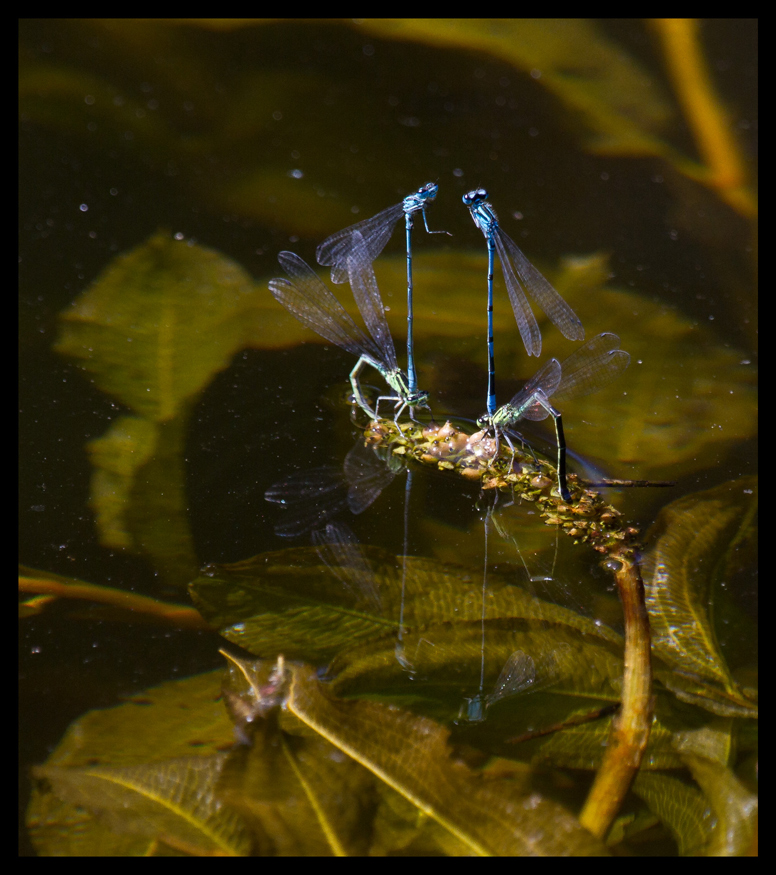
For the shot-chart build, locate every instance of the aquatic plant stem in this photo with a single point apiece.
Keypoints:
(630, 727)
(179, 616)
(705, 113)
(586, 519)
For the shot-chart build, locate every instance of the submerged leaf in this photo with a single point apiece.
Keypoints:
(430, 648)
(133, 768)
(138, 495)
(735, 806)
(173, 802)
(298, 792)
(691, 539)
(446, 660)
(158, 323)
(317, 776)
(681, 806)
(171, 720)
(552, 730)
(116, 458)
(436, 651)
(411, 755)
(293, 602)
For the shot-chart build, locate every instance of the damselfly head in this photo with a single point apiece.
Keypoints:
(484, 421)
(418, 399)
(471, 198)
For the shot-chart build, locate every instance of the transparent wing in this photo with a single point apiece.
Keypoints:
(546, 379)
(367, 475)
(592, 366)
(522, 674)
(311, 498)
(526, 321)
(340, 550)
(367, 295)
(375, 231)
(308, 299)
(518, 674)
(550, 301)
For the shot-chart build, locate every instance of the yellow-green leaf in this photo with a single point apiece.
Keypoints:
(291, 602)
(298, 792)
(145, 773)
(158, 323)
(173, 802)
(735, 806)
(138, 494)
(681, 571)
(411, 755)
(681, 806)
(116, 458)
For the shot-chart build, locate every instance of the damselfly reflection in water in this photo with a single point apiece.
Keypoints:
(375, 233)
(368, 473)
(522, 672)
(543, 564)
(341, 552)
(311, 302)
(312, 499)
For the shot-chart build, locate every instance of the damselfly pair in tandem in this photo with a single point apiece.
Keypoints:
(351, 252)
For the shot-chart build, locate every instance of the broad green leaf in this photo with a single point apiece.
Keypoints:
(145, 773)
(629, 825)
(685, 565)
(411, 755)
(138, 494)
(298, 792)
(681, 806)
(401, 828)
(291, 602)
(713, 741)
(579, 745)
(303, 781)
(171, 720)
(735, 806)
(445, 659)
(160, 321)
(116, 457)
(172, 802)
(62, 829)
(301, 796)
